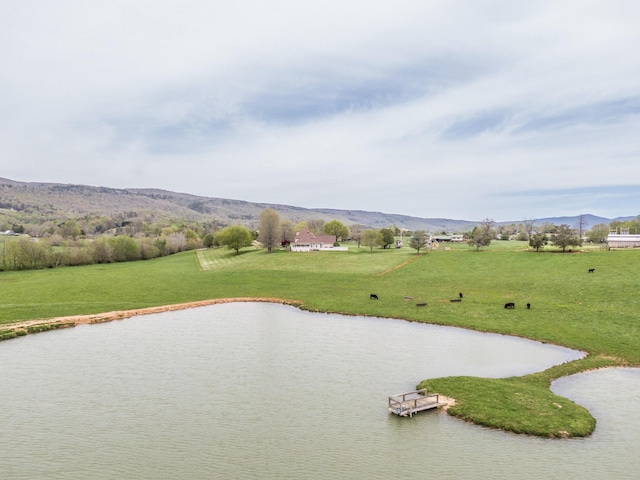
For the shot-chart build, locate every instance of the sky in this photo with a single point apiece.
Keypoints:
(460, 109)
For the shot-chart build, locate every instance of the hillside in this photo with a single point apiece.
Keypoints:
(40, 202)
(30, 202)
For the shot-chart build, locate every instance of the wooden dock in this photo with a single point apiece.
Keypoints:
(408, 403)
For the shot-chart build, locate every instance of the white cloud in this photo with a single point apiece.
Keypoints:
(439, 108)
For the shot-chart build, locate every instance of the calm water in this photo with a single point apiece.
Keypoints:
(268, 391)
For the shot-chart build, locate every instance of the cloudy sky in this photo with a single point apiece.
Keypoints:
(462, 109)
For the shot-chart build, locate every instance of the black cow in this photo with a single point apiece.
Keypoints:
(509, 305)
(591, 270)
(528, 306)
(460, 295)
(373, 296)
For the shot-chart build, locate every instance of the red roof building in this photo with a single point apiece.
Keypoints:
(307, 242)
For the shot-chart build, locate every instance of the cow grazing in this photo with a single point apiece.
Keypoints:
(591, 270)
(421, 304)
(373, 296)
(460, 295)
(509, 305)
(528, 306)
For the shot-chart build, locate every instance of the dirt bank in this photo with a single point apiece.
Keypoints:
(31, 326)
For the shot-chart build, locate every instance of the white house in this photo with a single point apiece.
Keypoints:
(306, 241)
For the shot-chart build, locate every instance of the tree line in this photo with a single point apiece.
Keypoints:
(67, 244)
(274, 232)
(28, 253)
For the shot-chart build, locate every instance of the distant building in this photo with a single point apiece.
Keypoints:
(454, 237)
(624, 239)
(306, 241)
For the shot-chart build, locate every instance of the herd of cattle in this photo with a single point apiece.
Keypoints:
(374, 296)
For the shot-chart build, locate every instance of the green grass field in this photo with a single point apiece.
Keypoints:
(593, 312)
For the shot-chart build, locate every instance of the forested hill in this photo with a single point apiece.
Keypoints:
(22, 202)
(37, 203)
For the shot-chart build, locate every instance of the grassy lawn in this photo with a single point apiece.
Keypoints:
(593, 312)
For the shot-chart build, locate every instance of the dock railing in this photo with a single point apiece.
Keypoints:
(408, 403)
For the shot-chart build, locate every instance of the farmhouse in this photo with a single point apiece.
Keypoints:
(306, 241)
(624, 239)
(455, 237)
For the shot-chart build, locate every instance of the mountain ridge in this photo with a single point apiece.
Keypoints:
(50, 201)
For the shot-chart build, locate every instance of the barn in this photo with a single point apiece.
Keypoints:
(624, 239)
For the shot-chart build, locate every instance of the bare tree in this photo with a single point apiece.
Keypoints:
(581, 226)
(287, 231)
(316, 226)
(269, 233)
(529, 227)
(356, 233)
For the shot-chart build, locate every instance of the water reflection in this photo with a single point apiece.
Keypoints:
(260, 390)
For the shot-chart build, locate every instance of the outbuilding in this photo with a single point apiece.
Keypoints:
(624, 239)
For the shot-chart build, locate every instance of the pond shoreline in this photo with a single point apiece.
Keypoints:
(24, 327)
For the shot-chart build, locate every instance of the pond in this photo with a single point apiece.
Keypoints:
(255, 390)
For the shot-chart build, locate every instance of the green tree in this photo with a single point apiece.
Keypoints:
(101, 250)
(371, 238)
(300, 226)
(418, 240)
(547, 227)
(538, 241)
(234, 237)
(69, 229)
(161, 245)
(269, 232)
(598, 233)
(632, 226)
(387, 237)
(482, 234)
(25, 254)
(124, 249)
(337, 228)
(564, 237)
(148, 248)
(208, 240)
(193, 240)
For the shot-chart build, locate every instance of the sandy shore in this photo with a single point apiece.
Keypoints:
(72, 321)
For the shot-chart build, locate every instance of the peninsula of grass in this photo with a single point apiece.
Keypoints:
(596, 313)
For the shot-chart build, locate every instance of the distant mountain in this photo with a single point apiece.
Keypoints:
(41, 202)
(589, 220)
